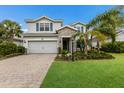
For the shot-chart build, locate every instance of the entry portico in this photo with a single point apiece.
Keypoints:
(65, 38)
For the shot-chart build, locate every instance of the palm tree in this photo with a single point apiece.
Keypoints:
(11, 29)
(108, 22)
(1, 30)
(81, 38)
(98, 36)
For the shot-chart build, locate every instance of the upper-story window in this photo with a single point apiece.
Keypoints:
(44, 26)
(47, 27)
(80, 28)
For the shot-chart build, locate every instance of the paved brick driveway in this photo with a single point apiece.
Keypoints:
(24, 71)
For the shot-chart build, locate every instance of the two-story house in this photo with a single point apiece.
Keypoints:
(46, 35)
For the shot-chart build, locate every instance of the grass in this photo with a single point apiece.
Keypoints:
(86, 74)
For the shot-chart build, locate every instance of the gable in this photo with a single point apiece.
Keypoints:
(78, 23)
(43, 18)
(66, 31)
(67, 26)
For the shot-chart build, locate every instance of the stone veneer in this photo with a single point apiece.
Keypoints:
(66, 33)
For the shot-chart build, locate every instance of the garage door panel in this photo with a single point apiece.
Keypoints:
(42, 47)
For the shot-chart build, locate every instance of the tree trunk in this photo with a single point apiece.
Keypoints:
(85, 44)
(81, 46)
(91, 42)
(72, 50)
(113, 37)
(98, 45)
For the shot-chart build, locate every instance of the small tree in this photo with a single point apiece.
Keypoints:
(10, 29)
(82, 38)
(98, 36)
(1, 31)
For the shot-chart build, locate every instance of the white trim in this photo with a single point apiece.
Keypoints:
(68, 27)
(66, 36)
(78, 23)
(34, 20)
(43, 32)
(44, 25)
(42, 40)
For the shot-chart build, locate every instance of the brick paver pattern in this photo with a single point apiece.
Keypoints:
(25, 71)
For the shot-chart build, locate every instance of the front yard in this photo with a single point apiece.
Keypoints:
(87, 74)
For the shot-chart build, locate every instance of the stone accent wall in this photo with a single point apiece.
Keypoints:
(66, 33)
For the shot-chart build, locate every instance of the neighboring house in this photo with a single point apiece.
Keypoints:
(119, 37)
(46, 35)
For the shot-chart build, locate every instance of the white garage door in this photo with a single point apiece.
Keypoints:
(42, 47)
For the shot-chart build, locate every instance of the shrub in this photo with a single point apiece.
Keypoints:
(21, 49)
(64, 53)
(92, 54)
(79, 55)
(7, 48)
(116, 47)
(1, 40)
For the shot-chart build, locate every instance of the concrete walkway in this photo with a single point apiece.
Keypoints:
(26, 71)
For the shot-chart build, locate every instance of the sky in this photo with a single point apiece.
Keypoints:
(68, 13)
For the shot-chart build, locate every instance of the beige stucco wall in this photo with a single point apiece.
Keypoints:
(26, 39)
(18, 43)
(40, 38)
(32, 26)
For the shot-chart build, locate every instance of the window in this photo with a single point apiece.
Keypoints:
(37, 26)
(78, 28)
(41, 26)
(82, 29)
(44, 26)
(47, 27)
(78, 44)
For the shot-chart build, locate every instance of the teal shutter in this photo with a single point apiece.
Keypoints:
(37, 26)
(51, 26)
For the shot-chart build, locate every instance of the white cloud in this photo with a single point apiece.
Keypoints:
(25, 30)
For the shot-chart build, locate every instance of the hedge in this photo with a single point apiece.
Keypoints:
(116, 47)
(7, 48)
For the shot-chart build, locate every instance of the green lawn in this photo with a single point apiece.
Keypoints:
(87, 74)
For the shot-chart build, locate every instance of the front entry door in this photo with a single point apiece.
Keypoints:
(66, 44)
